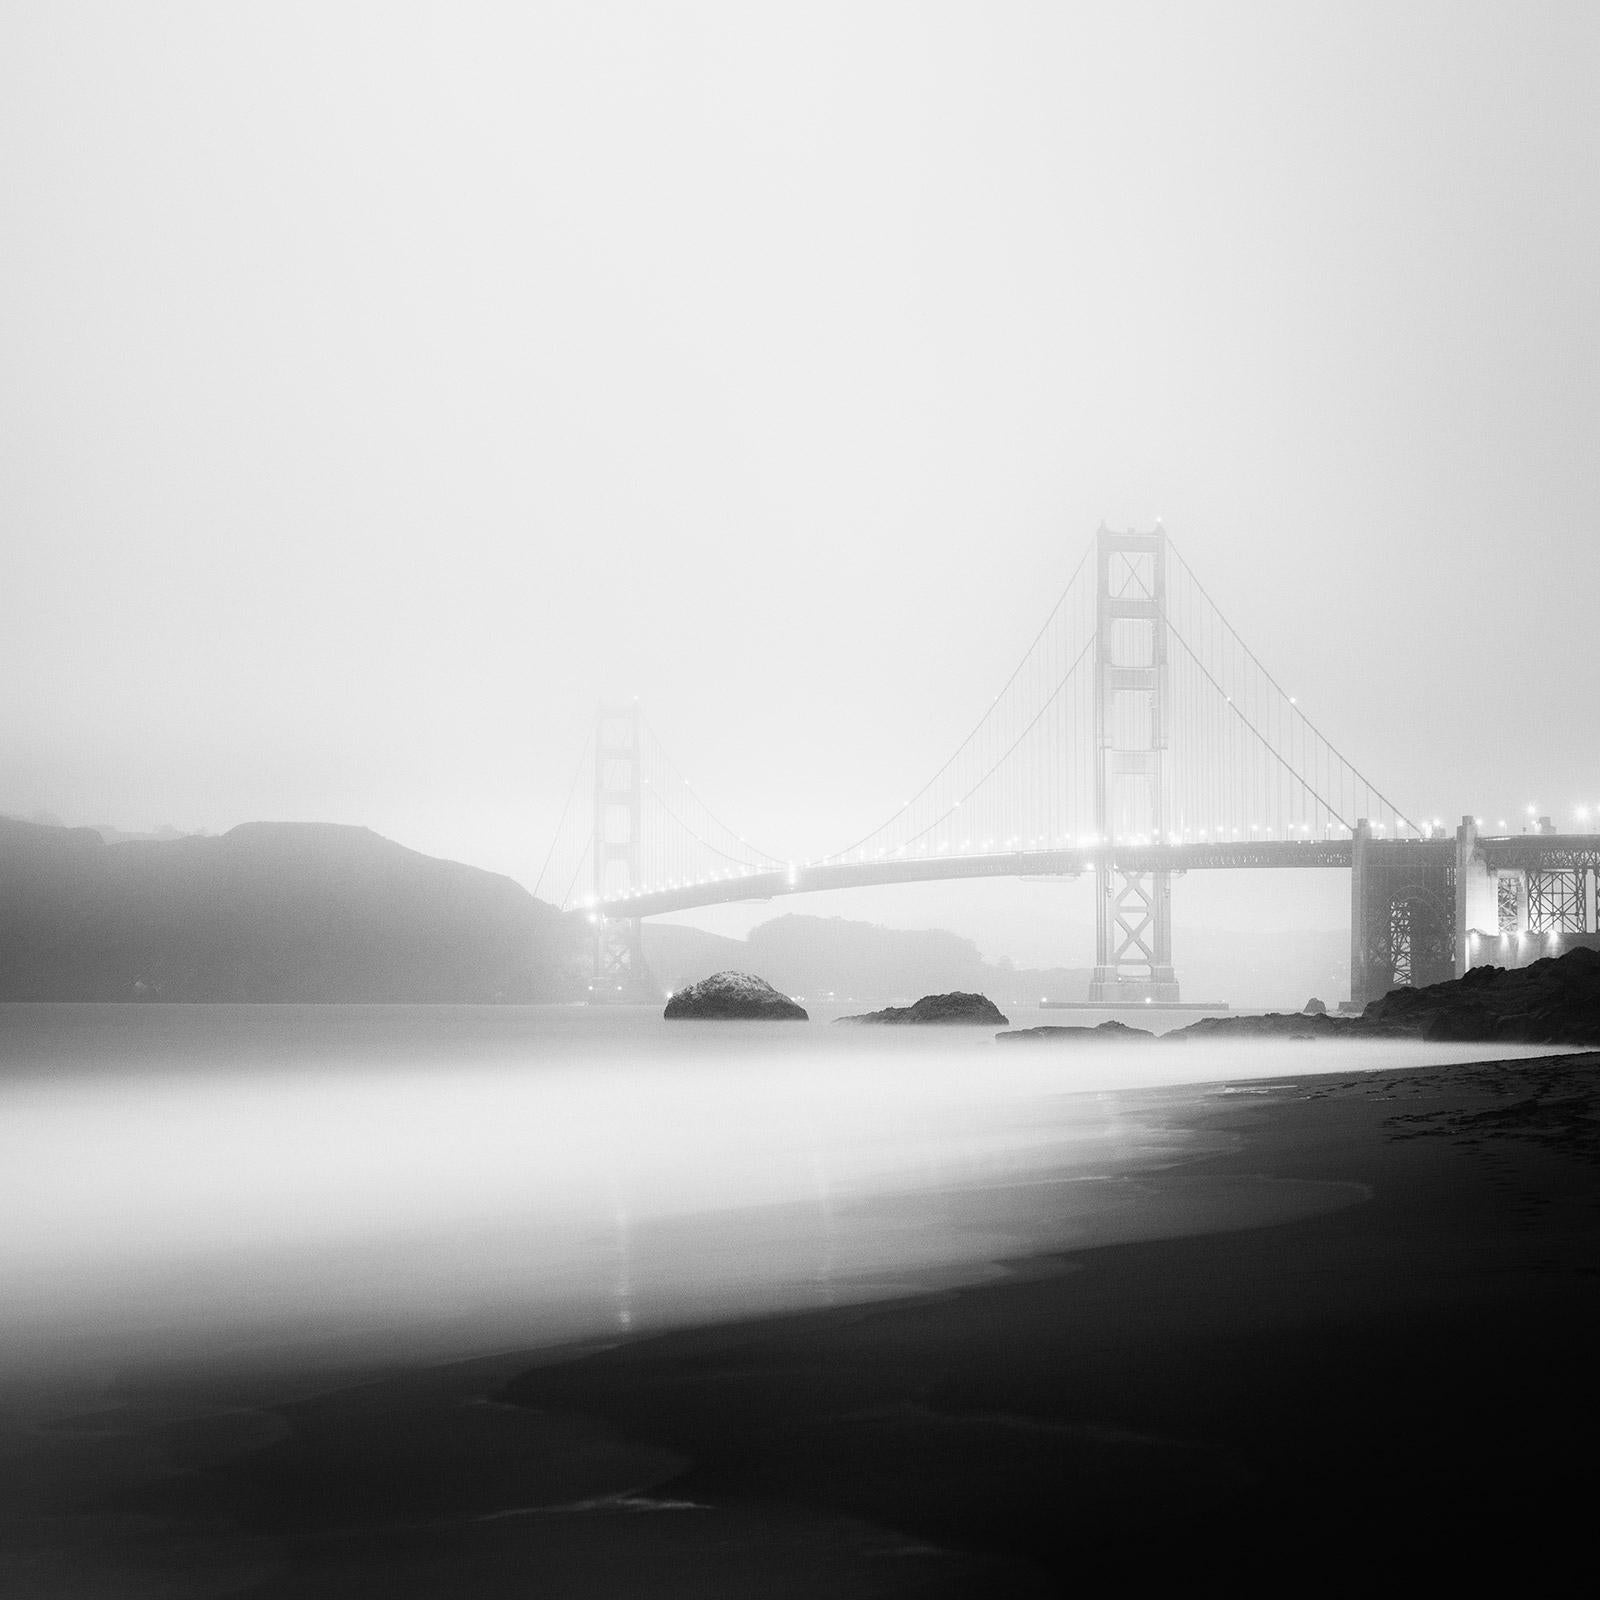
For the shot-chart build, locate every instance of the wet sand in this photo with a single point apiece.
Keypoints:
(1401, 1388)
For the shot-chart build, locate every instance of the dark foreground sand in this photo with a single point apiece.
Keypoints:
(1400, 1390)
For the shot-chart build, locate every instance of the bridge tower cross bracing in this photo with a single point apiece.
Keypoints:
(618, 971)
(1133, 920)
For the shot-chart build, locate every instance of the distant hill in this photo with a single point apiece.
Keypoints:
(826, 958)
(833, 957)
(270, 911)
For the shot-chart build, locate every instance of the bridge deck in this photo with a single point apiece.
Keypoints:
(1501, 853)
(1273, 853)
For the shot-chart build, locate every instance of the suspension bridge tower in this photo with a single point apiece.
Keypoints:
(618, 972)
(1133, 917)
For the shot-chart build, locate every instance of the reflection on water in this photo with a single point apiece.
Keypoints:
(188, 1182)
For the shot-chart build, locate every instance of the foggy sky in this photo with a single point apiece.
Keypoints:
(381, 385)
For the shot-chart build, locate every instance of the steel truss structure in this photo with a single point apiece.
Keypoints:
(1508, 901)
(1558, 900)
(1402, 914)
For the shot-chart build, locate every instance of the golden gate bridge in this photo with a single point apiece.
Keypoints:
(1138, 737)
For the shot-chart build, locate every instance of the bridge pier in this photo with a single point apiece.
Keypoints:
(619, 974)
(1403, 914)
(1477, 901)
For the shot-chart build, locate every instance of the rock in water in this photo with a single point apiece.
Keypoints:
(1315, 1007)
(946, 1008)
(734, 995)
(1105, 1030)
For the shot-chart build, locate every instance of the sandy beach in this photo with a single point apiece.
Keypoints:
(1398, 1386)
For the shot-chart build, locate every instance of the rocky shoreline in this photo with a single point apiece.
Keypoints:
(1552, 1001)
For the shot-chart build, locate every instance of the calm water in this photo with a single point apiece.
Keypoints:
(314, 1183)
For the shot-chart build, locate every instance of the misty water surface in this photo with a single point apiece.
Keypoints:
(190, 1182)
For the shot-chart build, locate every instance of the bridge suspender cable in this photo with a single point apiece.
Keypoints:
(754, 854)
(1265, 743)
(1245, 649)
(1004, 757)
(577, 872)
(555, 838)
(983, 720)
(739, 861)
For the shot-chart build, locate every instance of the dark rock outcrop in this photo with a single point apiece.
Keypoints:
(1282, 1025)
(972, 1009)
(1553, 1001)
(1060, 1035)
(734, 996)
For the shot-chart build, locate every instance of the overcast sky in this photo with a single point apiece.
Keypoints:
(381, 385)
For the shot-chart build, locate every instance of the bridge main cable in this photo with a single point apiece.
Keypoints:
(982, 723)
(1285, 698)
